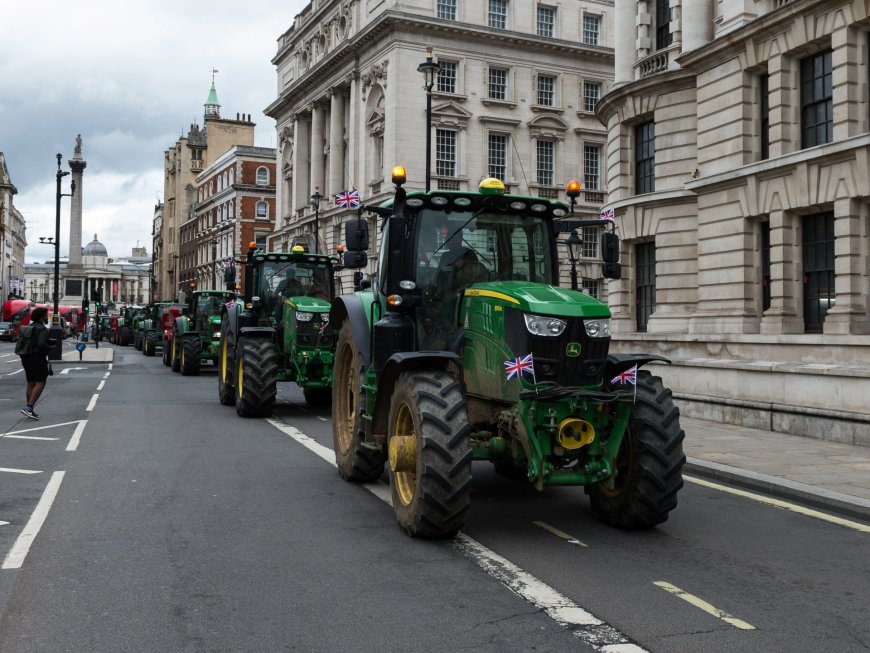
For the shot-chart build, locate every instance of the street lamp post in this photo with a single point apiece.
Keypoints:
(430, 70)
(315, 204)
(573, 242)
(60, 175)
(215, 279)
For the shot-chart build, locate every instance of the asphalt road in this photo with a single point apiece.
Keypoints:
(178, 526)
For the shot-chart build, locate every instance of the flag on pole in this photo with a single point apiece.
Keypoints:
(628, 377)
(517, 367)
(348, 199)
(607, 214)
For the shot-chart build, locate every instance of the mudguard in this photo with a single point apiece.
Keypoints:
(619, 363)
(352, 307)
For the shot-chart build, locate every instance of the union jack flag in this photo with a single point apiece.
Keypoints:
(517, 367)
(348, 199)
(607, 214)
(629, 377)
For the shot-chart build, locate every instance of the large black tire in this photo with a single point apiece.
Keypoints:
(167, 350)
(317, 397)
(124, 336)
(432, 491)
(175, 352)
(137, 341)
(355, 461)
(226, 365)
(149, 347)
(649, 464)
(191, 354)
(256, 375)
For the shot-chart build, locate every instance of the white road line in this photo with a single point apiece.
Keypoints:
(785, 505)
(77, 435)
(102, 383)
(4, 523)
(42, 428)
(583, 624)
(106, 375)
(92, 403)
(562, 534)
(15, 557)
(703, 605)
(29, 437)
(110, 367)
(15, 372)
(12, 470)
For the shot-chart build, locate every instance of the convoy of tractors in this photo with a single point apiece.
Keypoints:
(461, 347)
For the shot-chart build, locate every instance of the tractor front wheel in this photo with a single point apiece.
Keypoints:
(256, 377)
(430, 454)
(226, 390)
(175, 352)
(149, 346)
(167, 348)
(191, 355)
(124, 336)
(355, 460)
(648, 474)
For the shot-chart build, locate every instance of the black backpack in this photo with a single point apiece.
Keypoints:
(25, 339)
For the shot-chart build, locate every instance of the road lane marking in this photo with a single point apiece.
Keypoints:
(785, 505)
(106, 375)
(92, 403)
(562, 534)
(4, 523)
(12, 470)
(77, 435)
(42, 428)
(18, 552)
(703, 605)
(29, 437)
(67, 370)
(583, 624)
(102, 383)
(16, 372)
(109, 368)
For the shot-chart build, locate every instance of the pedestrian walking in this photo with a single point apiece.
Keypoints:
(33, 347)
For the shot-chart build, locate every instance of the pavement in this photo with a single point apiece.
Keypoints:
(827, 475)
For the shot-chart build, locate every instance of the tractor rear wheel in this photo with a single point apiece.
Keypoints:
(175, 352)
(167, 348)
(256, 377)
(226, 390)
(355, 461)
(124, 336)
(149, 347)
(643, 489)
(191, 355)
(430, 454)
(317, 397)
(137, 341)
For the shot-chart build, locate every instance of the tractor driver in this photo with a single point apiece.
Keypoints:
(290, 285)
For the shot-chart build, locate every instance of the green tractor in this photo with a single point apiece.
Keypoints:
(137, 326)
(121, 325)
(194, 337)
(158, 317)
(464, 348)
(278, 331)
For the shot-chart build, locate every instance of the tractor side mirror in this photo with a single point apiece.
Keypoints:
(609, 247)
(356, 236)
(611, 271)
(354, 260)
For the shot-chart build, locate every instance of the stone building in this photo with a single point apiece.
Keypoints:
(234, 206)
(12, 237)
(515, 99)
(737, 157)
(183, 163)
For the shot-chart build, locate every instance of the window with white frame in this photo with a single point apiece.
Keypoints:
(445, 152)
(547, 90)
(590, 287)
(262, 210)
(447, 9)
(262, 176)
(591, 167)
(497, 154)
(447, 77)
(591, 95)
(498, 81)
(545, 163)
(498, 14)
(589, 248)
(546, 21)
(591, 29)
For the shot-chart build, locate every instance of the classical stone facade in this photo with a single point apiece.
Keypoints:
(737, 159)
(515, 99)
(12, 237)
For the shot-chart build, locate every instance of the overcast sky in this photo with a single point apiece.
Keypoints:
(130, 77)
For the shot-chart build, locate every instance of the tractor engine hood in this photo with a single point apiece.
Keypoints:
(540, 298)
(309, 304)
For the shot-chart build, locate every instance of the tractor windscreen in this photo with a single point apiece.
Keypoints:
(208, 305)
(281, 280)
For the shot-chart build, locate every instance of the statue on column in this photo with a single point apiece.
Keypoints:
(78, 147)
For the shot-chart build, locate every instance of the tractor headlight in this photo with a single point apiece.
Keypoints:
(541, 325)
(302, 316)
(597, 328)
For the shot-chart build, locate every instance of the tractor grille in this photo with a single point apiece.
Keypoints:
(552, 364)
(312, 333)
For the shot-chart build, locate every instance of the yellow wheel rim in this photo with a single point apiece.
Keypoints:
(240, 377)
(173, 348)
(406, 482)
(224, 360)
(345, 400)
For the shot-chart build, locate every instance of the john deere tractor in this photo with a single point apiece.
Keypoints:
(122, 325)
(158, 318)
(278, 331)
(195, 336)
(464, 348)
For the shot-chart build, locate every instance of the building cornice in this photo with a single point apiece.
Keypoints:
(658, 84)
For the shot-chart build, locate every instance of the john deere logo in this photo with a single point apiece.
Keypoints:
(572, 350)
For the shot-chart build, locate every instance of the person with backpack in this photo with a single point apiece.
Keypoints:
(33, 346)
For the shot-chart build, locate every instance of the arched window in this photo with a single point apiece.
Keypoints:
(262, 176)
(220, 184)
(232, 176)
(262, 210)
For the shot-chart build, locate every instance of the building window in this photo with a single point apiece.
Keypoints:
(546, 21)
(498, 156)
(591, 95)
(262, 210)
(663, 24)
(447, 77)
(765, 266)
(498, 83)
(546, 161)
(447, 9)
(262, 176)
(644, 158)
(764, 109)
(498, 14)
(818, 260)
(591, 29)
(590, 287)
(817, 122)
(591, 167)
(445, 152)
(589, 239)
(645, 290)
(546, 90)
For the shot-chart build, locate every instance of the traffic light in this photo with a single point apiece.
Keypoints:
(86, 306)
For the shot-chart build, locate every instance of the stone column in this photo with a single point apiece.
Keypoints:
(697, 23)
(77, 164)
(779, 107)
(317, 119)
(336, 143)
(849, 313)
(785, 287)
(624, 53)
(848, 71)
(301, 157)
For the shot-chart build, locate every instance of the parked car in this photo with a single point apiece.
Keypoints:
(6, 331)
